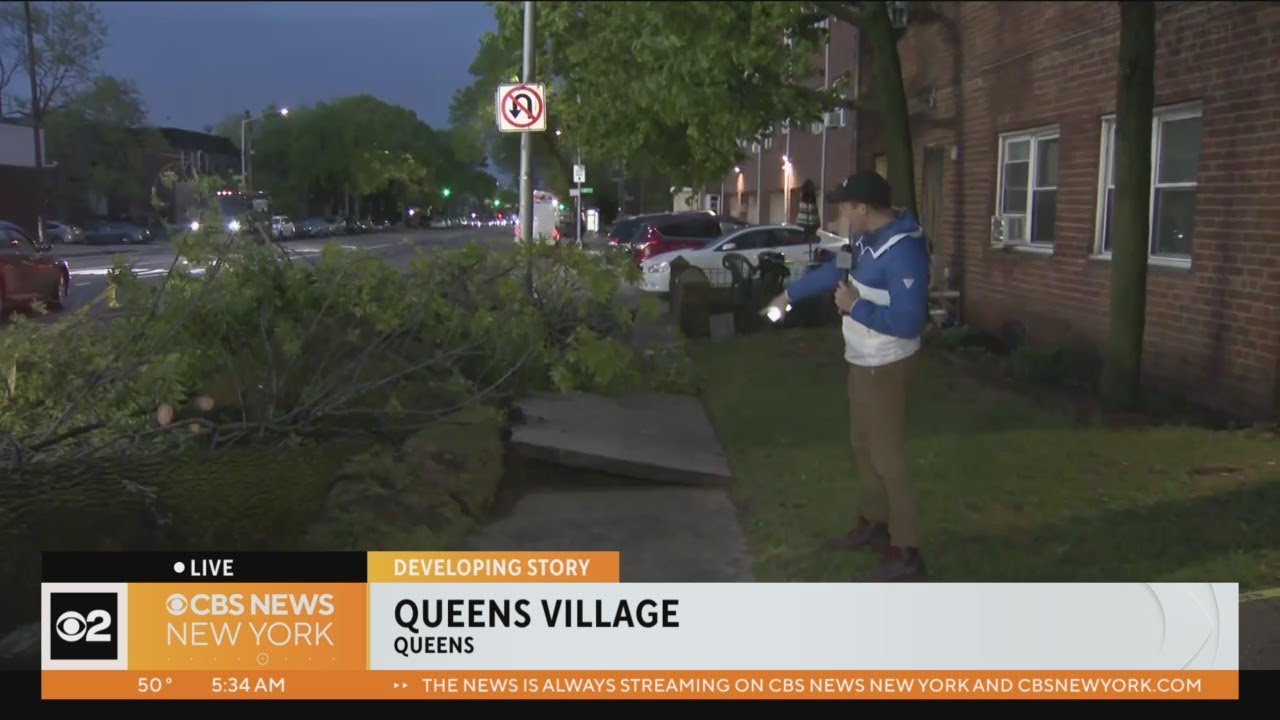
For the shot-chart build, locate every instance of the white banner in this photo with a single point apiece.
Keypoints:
(759, 626)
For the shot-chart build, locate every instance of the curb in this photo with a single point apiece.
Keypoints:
(1260, 595)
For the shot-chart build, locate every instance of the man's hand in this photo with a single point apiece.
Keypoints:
(846, 296)
(777, 307)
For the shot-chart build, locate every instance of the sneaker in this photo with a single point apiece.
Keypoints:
(865, 534)
(897, 565)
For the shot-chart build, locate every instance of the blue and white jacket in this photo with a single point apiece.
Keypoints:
(890, 270)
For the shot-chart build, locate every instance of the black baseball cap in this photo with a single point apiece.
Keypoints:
(863, 187)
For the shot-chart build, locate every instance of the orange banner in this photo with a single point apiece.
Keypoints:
(637, 685)
(486, 567)
(248, 626)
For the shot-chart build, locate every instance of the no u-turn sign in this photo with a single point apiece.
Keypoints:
(521, 108)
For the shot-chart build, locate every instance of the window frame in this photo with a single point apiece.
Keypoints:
(1033, 136)
(1106, 158)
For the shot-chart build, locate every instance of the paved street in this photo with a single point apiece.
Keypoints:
(90, 264)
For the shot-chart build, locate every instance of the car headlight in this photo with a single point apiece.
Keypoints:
(195, 226)
(659, 267)
(234, 226)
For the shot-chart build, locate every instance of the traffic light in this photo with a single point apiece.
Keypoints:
(497, 202)
(562, 206)
(447, 192)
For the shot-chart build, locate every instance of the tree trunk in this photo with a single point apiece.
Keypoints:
(895, 119)
(1130, 228)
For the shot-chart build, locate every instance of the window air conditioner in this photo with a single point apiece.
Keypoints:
(786, 127)
(997, 230)
(755, 148)
(818, 127)
(835, 118)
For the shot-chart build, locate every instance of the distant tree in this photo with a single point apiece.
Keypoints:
(356, 152)
(69, 39)
(99, 139)
(1130, 231)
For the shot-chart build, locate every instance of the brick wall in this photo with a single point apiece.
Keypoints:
(979, 69)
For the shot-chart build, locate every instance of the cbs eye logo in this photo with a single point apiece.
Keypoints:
(83, 626)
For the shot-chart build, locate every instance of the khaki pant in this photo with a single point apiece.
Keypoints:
(878, 420)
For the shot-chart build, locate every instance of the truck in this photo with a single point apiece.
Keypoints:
(546, 218)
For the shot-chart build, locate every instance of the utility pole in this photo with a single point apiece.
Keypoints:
(244, 151)
(577, 220)
(36, 121)
(526, 139)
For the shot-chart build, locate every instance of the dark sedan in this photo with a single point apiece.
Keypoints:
(115, 233)
(29, 272)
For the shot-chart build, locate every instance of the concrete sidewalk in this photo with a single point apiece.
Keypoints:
(1260, 630)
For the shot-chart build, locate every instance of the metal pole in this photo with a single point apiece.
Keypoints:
(577, 220)
(35, 121)
(244, 165)
(526, 140)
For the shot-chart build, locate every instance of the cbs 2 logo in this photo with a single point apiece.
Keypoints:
(74, 627)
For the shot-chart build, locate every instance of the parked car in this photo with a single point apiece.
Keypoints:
(111, 232)
(789, 240)
(282, 227)
(728, 225)
(60, 232)
(677, 232)
(625, 229)
(29, 271)
(312, 228)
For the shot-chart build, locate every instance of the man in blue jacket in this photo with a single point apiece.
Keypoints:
(882, 292)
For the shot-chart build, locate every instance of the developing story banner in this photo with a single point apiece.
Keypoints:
(560, 625)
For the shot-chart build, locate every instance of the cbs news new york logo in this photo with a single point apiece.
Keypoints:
(83, 626)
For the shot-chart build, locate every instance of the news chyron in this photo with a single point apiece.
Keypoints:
(515, 625)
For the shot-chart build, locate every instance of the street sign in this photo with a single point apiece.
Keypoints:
(579, 173)
(573, 192)
(521, 108)
(577, 192)
(587, 190)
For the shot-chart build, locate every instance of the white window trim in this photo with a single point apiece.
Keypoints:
(1106, 156)
(1034, 136)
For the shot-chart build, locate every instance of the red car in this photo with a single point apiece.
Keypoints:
(675, 232)
(29, 272)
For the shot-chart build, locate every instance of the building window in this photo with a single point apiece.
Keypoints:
(1027, 189)
(1175, 161)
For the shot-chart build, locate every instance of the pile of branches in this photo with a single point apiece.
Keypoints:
(240, 343)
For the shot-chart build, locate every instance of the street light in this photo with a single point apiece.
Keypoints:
(245, 158)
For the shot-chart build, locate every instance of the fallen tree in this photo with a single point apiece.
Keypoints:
(239, 344)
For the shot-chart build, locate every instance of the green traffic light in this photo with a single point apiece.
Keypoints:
(497, 203)
(447, 192)
(561, 206)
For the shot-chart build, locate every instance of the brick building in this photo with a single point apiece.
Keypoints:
(1012, 119)
(764, 188)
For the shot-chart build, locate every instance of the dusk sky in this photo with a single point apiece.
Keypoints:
(197, 62)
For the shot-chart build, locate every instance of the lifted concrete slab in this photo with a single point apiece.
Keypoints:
(655, 437)
(663, 534)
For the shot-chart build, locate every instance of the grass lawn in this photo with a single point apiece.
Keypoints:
(1009, 490)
